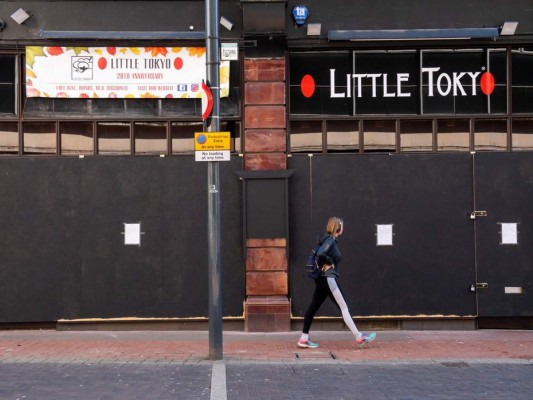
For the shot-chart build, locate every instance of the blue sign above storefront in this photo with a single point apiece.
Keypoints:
(300, 14)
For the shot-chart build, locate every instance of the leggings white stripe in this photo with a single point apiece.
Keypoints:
(332, 283)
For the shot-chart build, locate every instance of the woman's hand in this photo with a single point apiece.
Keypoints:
(327, 267)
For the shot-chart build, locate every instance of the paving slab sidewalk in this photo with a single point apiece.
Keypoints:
(37, 346)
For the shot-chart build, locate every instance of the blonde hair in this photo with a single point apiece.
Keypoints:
(334, 225)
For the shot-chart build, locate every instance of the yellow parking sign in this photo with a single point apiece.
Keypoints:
(212, 141)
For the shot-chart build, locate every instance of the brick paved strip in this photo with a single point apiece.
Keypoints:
(192, 347)
(252, 381)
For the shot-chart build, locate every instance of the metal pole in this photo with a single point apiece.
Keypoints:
(213, 204)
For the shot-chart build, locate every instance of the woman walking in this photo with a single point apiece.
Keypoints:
(327, 285)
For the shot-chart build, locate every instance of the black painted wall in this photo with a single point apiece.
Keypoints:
(114, 16)
(62, 252)
(504, 189)
(413, 14)
(427, 198)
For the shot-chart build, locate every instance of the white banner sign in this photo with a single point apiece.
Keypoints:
(118, 72)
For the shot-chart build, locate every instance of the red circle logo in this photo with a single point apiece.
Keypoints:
(307, 85)
(102, 63)
(487, 83)
(178, 63)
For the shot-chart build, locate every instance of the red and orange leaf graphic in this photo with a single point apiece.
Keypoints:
(156, 51)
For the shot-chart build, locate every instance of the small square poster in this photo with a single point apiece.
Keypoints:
(132, 234)
(384, 235)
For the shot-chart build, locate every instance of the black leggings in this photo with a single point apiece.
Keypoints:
(328, 287)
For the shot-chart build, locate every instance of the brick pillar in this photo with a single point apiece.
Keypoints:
(267, 307)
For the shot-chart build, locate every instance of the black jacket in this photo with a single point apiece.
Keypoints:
(329, 253)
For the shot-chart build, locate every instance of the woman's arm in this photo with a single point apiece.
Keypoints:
(324, 260)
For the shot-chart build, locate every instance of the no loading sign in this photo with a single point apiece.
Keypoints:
(212, 146)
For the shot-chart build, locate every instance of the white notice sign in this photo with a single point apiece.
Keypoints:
(222, 155)
(229, 51)
(509, 233)
(384, 235)
(132, 234)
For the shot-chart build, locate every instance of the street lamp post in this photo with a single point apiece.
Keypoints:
(213, 184)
